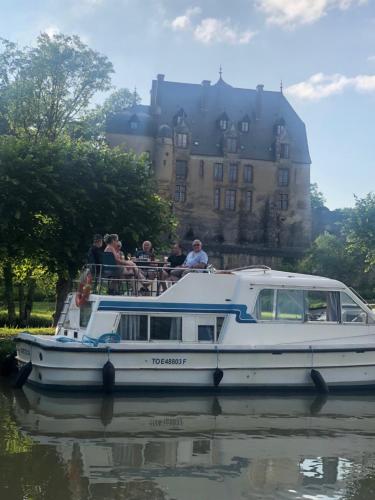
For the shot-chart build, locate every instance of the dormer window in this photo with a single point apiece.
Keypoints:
(280, 129)
(181, 140)
(179, 117)
(223, 124)
(244, 126)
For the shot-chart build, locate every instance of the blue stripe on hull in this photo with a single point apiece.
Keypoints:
(240, 310)
(209, 389)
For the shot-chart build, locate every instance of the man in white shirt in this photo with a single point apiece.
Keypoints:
(196, 259)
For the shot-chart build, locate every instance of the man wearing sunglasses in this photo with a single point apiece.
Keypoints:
(196, 259)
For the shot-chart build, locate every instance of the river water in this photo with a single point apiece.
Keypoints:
(54, 446)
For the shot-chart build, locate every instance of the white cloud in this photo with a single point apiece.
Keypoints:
(211, 30)
(292, 13)
(320, 85)
(371, 58)
(184, 22)
(51, 30)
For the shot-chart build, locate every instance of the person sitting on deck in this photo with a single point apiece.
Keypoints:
(144, 258)
(175, 259)
(113, 246)
(196, 259)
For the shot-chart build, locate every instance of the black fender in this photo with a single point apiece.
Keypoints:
(319, 382)
(109, 377)
(218, 376)
(23, 375)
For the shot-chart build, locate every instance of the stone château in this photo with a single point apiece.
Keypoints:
(234, 161)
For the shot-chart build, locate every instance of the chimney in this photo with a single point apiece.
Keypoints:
(204, 96)
(155, 94)
(258, 101)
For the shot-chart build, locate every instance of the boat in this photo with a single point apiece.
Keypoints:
(246, 329)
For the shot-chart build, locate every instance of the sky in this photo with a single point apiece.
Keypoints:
(323, 51)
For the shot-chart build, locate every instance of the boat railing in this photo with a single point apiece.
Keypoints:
(145, 280)
(255, 267)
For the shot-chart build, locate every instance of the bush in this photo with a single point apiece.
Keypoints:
(36, 321)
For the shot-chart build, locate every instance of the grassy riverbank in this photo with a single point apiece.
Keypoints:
(40, 324)
(7, 336)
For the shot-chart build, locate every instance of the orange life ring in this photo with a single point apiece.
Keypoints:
(84, 289)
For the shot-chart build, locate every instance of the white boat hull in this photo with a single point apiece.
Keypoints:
(72, 366)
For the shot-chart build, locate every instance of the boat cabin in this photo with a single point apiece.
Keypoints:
(251, 306)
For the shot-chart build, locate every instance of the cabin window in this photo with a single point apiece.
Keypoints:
(132, 327)
(265, 305)
(322, 306)
(85, 314)
(289, 305)
(280, 305)
(206, 333)
(165, 328)
(350, 310)
(308, 305)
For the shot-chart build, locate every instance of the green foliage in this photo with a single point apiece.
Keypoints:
(329, 257)
(55, 196)
(93, 124)
(360, 229)
(317, 197)
(43, 88)
(346, 250)
(6, 335)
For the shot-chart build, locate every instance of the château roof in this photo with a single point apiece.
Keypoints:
(204, 104)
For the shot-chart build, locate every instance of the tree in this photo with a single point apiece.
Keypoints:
(360, 228)
(93, 124)
(55, 195)
(317, 197)
(329, 257)
(45, 88)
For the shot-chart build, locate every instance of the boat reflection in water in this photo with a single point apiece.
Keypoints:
(207, 447)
